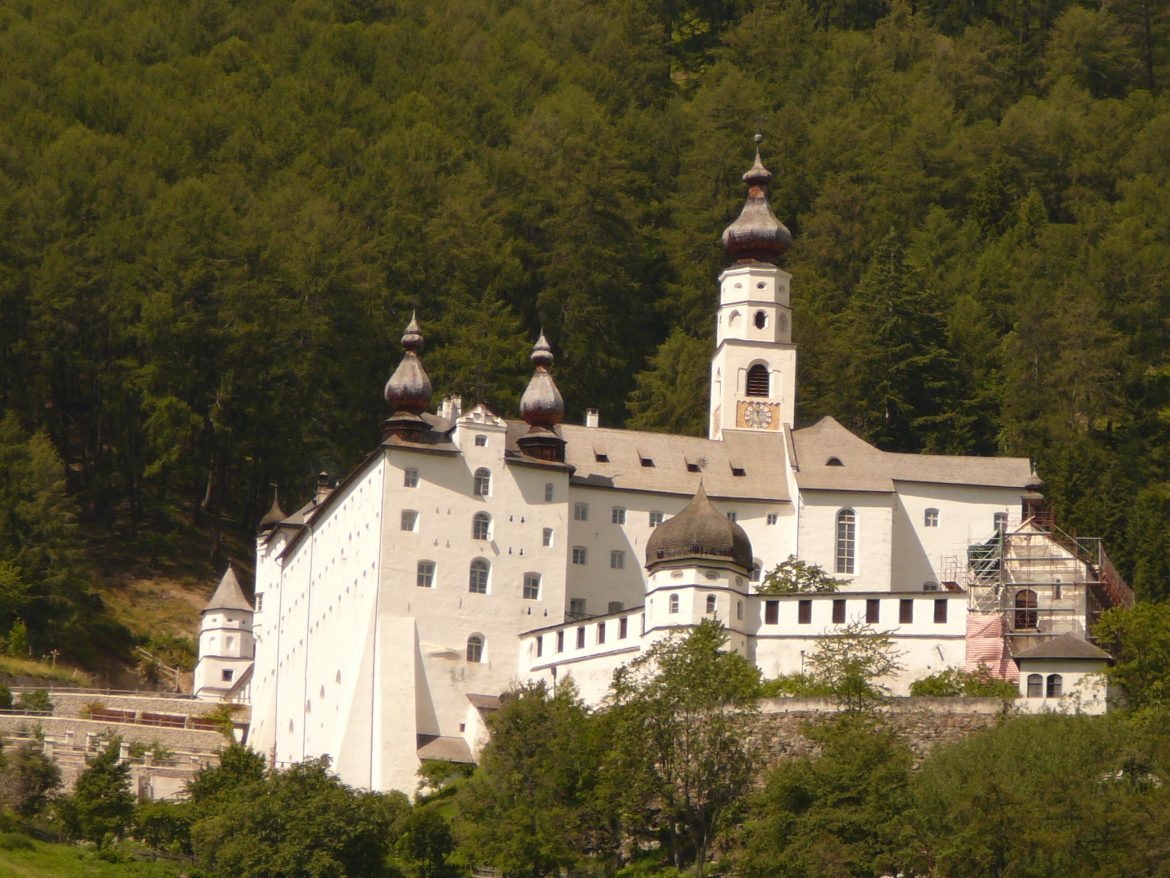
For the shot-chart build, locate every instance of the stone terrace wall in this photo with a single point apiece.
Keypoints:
(924, 723)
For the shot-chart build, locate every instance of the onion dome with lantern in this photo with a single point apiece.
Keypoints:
(408, 392)
(542, 408)
(700, 533)
(756, 235)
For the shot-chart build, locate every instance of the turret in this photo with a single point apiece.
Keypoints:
(226, 646)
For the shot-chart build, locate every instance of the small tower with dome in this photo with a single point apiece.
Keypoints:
(753, 371)
(699, 563)
(226, 647)
(542, 408)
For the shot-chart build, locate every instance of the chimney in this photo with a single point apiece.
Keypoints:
(592, 418)
(323, 487)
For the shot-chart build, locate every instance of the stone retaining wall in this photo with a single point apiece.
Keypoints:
(924, 723)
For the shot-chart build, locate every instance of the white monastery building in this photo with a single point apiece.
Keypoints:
(468, 552)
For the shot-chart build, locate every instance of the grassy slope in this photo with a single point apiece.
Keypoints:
(23, 857)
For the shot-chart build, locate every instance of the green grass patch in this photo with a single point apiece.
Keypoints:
(24, 857)
(43, 671)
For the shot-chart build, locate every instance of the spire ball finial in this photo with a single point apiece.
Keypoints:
(542, 354)
(412, 338)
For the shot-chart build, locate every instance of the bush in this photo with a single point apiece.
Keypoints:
(165, 826)
(956, 683)
(5, 697)
(35, 700)
(796, 685)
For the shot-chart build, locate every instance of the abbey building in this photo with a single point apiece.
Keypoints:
(468, 552)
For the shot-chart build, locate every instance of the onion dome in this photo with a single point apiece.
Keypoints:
(756, 235)
(409, 388)
(275, 515)
(700, 533)
(542, 405)
(1035, 483)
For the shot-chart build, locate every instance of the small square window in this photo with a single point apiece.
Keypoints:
(617, 559)
(546, 536)
(409, 519)
(615, 607)
(580, 555)
(618, 515)
(580, 511)
(873, 611)
(731, 516)
(548, 492)
(773, 518)
(804, 612)
(480, 440)
(656, 518)
(532, 586)
(577, 607)
(410, 478)
(226, 675)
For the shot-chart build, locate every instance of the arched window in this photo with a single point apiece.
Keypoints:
(481, 526)
(757, 380)
(846, 541)
(1035, 686)
(1055, 686)
(477, 580)
(673, 603)
(1026, 614)
(1000, 519)
(475, 648)
(761, 319)
(710, 603)
(483, 482)
(782, 323)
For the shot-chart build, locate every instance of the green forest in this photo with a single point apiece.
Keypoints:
(219, 216)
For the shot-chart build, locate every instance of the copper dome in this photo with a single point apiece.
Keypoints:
(700, 532)
(756, 234)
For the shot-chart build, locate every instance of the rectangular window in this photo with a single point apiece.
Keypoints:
(623, 628)
(532, 586)
(873, 611)
(577, 607)
(617, 559)
(227, 674)
(804, 612)
(731, 516)
(581, 638)
(618, 515)
(548, 492)
(546, 537)
(601, 632)
(410, 478)
(580, 555)
(480, 440)
(581, 511)
(615, 607)
(409, 519)
(426, 574)
(771, 612)
(560, 641)
(940, 611)
(656, 518)
(539, 646)
(259, 601)
(773, 518)
(906, 611)
(931, 518)
(846, 541)
(739, 610)
(838, 611)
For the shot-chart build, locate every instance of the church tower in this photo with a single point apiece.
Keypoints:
(226, 647)
(753, 372)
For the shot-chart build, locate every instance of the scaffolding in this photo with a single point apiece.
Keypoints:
(1042, 582)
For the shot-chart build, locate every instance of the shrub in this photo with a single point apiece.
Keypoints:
(955, 683)
(35, 700)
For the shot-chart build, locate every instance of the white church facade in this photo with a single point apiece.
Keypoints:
(468, 552)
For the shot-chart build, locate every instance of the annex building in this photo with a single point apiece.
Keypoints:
(468, 552)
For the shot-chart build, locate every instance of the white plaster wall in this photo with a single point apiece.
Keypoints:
(1084, 686)
(966, 515)
(874, 543)
(262, 731)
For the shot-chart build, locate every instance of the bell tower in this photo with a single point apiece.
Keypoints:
(753, 371)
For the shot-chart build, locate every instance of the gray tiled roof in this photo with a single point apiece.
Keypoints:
(228, 595)
(1066, 646)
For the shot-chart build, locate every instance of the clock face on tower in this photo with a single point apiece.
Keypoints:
(757, 415)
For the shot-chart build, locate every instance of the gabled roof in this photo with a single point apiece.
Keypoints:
(228, 595)
(831, 458)
(1066, 646)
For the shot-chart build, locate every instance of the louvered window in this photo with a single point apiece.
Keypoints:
(757, 380)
